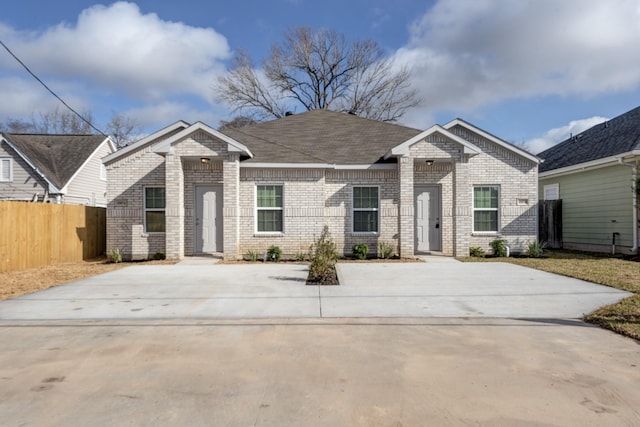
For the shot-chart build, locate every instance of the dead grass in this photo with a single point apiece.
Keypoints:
(16, 283)
(623, 317)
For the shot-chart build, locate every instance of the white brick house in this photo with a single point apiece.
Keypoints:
(190, 189)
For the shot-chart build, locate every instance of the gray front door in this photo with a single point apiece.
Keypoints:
(208, 219)
(427, 214)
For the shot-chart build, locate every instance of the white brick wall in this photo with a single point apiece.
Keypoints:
(315, 197)
(517, 179)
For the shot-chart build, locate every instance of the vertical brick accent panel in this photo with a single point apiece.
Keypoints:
(231, 214)
(406, 225)
(174, 214)
(461, 208)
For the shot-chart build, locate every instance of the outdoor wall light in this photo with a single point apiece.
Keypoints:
(429, 162)
(204, 160)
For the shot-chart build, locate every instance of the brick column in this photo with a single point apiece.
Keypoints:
(461, 207)
(231, 209)
(406, 225)
(174, 210)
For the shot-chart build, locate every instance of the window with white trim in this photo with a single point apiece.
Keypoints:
(154, 209)
(6, 170)
(269, 209)
(552, 192)
(365, 209)
(486, 208)
(103, 172)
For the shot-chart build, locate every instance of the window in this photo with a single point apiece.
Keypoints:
(103, 172)
(154, 205)
(485, 209)
(365, 209)
(269, 208)
(6, 174)
(552, 192)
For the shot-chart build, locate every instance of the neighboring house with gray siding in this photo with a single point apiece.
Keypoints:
(190, 189)
(54, 168)
(595, 174)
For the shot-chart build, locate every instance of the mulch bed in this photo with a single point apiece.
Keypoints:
(330, 280)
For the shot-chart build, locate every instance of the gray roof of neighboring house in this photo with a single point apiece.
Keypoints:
(57, 157)
(321, 136)
(616, 136)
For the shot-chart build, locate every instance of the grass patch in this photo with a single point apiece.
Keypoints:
(623, 317)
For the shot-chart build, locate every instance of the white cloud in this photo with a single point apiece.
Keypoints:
(117, 49)
(469, 54)
(556, 135)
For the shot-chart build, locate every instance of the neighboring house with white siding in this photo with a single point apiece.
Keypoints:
(595, 174)
(190, 189)
(54, 168)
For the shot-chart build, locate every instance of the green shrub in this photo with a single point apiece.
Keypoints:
(476, 252)
(499, 248)
(115, 255)
(251, 255)
(360, 250)
(301, 256)
(535, 249)
(385, 250)
(274, 253)
(159, 256)
(323, 256)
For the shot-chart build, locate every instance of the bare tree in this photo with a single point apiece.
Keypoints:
(54, 121)
(236, 122)
(319, 70)
(123, 130)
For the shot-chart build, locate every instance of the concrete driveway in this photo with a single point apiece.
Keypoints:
(144, 346)
(200, 289)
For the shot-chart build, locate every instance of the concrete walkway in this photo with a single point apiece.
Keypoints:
(201, 289)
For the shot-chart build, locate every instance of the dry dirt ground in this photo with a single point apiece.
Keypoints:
(16, 283)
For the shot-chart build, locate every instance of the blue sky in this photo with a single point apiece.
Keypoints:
(528, 71)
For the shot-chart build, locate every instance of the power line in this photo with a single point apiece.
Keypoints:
(51, 91)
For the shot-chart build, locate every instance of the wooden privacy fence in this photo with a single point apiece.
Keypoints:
(550, 223)
(36, 234)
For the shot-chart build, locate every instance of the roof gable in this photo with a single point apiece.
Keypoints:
(494, 139)
(321, 137)
(233, 145)
(56, 157)
(403, 149)
(618, 136)
(138, 145)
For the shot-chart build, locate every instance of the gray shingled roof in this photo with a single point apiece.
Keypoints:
(617, 136)
(58, 157)
(321, 136)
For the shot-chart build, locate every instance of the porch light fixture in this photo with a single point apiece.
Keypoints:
(429, 162)
(204, 160)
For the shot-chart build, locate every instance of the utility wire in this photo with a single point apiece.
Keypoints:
(51, 91)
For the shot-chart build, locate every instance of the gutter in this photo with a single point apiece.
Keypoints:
(634, 193)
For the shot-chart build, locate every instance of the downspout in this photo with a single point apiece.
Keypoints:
(634, 195)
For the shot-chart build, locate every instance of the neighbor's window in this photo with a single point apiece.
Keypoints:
(269, 208)
(5, 170)
(103, 172)
(365, 209)
(552, 192)
(485, 209)
(154, 206)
